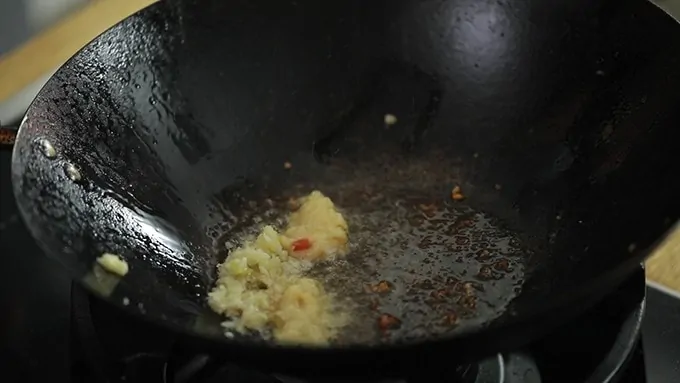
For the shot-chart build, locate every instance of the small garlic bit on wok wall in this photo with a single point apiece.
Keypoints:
(113, 264)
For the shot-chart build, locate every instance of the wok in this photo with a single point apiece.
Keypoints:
(162, 139)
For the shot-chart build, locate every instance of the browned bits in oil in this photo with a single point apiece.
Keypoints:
(469, 302)
(293, 203)
(461, 223)
(429, 210)
(427, 207)
(425, 243)
(482, 255)
(469, 289)
(381, 287)
(411, 235)
(450, 319)
(502, 265)
(440, 294)
(457, 194)
(460, 240)
(287, 165)
(485, 273)
(388, 322)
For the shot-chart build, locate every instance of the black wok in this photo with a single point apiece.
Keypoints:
(166, 135)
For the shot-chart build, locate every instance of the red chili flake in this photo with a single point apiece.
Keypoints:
(301, 244)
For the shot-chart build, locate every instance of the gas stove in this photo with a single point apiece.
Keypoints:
(51, 329)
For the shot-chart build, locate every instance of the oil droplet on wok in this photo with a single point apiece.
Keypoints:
(72, 172)
(47, 149)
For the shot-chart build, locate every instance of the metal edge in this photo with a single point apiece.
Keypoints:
(663, 289)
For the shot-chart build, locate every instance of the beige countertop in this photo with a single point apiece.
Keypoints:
(47, 51)
(51, 48)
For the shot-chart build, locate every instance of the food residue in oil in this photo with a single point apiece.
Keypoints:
(390, 119)
(388, 322)
(381, 287)
(457, 193)
(440, 294)
(429, 210)
(113, 263)
(451, 319)
(261, 285)
(287, 165)
(402, 233)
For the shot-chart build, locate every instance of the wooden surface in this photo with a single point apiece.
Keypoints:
(663, 267)
(51, 48)
(54, 46)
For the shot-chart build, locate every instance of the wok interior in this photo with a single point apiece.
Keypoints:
(181, 118)
(449, 267)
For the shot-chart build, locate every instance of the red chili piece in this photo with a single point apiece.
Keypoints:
(301, 244)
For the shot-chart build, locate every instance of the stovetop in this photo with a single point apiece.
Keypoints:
(52, 330)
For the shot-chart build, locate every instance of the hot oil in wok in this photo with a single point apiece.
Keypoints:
(444, 266)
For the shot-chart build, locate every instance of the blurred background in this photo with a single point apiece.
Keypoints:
(21, 19)
(37, 36)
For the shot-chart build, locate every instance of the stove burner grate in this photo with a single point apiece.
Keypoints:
(204, 369)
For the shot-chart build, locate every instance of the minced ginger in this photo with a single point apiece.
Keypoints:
(261, 285)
